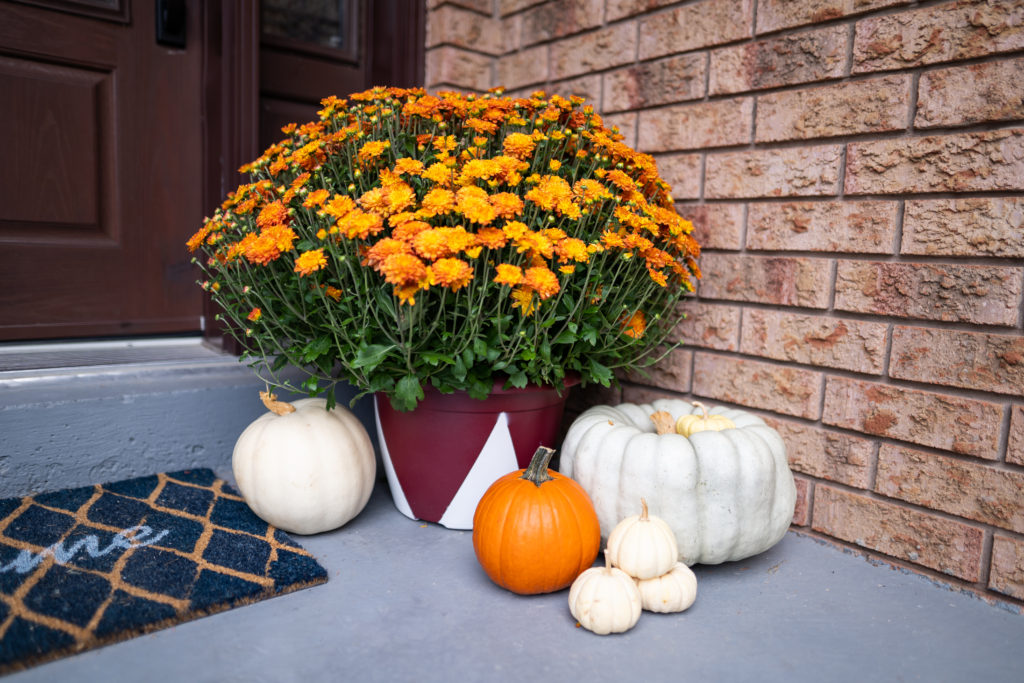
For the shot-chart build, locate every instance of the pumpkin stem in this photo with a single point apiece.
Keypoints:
(663, 422)
(643, 510)
(275, 406)
(537, 470)
(703, 408)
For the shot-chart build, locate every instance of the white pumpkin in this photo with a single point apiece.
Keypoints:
(305, 470)
(726, 494)
(642, 545)
(673, 591)
(605, 600)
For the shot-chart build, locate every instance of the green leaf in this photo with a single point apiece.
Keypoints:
(467, 357)
(316, 348)
(408, 392)
(566, 337)
(480, 347)
(459, 369)
(589, 335)
(279, 363)
(600, 373)
(434, 358)
(371, 355)
(518, 380)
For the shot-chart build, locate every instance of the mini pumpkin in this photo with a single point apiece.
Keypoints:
(643, 545)
(688, 425)
(605, 600)
(303, 468)
(726, 494)
(535, 530)
(673, 591)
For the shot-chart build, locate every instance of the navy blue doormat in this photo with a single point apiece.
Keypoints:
(83, 567)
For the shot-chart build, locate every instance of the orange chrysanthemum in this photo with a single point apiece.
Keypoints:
(518, 145)
(492, 238)
(635, 326)
(255, 314)
(542, 281)
(437, 202)
(472, 203)
(451, 272)
(508, 275)
(310, 261)
(274, 213)
(403, 269)
(316, 198)
(431, 244)
(386, 247)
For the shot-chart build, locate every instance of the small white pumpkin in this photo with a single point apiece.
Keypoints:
(671, 592)
(726, 494)
(688, 425)
(303, 468)
(642, 545)
(605, 600)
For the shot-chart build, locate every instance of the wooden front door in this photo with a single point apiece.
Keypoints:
(100, 171)
(113, 146)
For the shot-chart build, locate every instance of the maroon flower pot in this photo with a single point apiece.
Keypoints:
(441, 457)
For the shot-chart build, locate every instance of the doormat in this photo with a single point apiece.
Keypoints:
(84, 567)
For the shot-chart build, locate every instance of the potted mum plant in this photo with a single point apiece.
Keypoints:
(440, 250)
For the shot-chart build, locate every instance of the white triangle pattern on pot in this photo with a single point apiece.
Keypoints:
(397, 494)
(497, 458)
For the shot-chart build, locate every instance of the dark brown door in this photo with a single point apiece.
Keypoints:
(101, 166)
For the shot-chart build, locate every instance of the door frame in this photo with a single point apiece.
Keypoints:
(393, 36)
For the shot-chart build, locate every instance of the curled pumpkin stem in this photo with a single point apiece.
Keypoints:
(663, 422)
(275, 406)
(703, 408)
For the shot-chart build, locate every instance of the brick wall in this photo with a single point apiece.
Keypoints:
(856, 172)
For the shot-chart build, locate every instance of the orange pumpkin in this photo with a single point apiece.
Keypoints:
(535, 530)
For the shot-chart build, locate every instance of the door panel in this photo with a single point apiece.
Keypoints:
(101, 141)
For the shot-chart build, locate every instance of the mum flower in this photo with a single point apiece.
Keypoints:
(451, 273)
(403, 269)
(309, 262)
(508, 275)
(542, 281)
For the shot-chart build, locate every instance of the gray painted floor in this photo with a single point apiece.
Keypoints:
(407, 601)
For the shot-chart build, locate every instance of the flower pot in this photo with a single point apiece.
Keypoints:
(441, 457)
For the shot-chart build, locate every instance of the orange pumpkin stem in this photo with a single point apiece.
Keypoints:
(537, 471)
(703, 408)
(275, 406)
(663, 422)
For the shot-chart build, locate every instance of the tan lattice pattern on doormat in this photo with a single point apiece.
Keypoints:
(130, 560)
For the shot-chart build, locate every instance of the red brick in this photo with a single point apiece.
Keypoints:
(711, 22)
(826, 454)
(454, 26)
(773, 15)
(715, 226)
(1015, 446)
(559, 19)
(791, 59)
(970, 94)
(673, 372)
(942, 33)
(626, 123)
(790, 172)
(617, 9)
(651, 84)
(526, 67)
(969, 226)
(854, 345)
(853, 227)
(802, 510)
(952, 423)
(970, 360)
(782, 280)
(966, 489)
(709, 326)
(482, 6)
(964, 162)
(594, 51)
(778, 388)
(639, 395)
(457, 68)
(682, 172)
(696, 126)
(506, 7)
(587, 87)
(928, 540)
(1007, 570)
(876, 105)
(985, 295)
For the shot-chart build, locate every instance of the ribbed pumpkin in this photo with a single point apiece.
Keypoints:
(535, 530)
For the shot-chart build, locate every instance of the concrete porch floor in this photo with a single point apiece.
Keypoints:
(407, 601)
